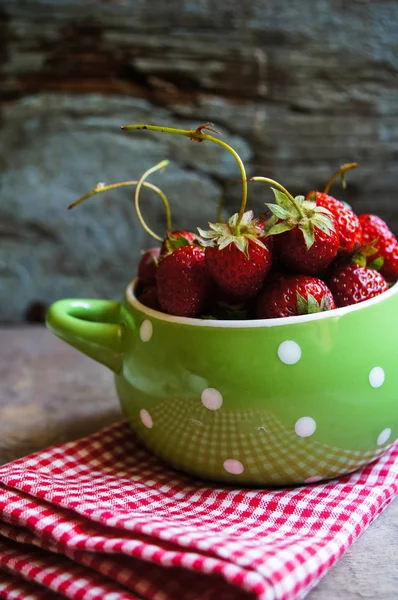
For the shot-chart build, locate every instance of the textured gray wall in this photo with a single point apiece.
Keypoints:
(297, 86)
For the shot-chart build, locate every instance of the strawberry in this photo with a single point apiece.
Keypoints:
(238, 256)
(176, 238)
(183, 282)
(306, 235)
(389, 268)
(148, 265)
(351, 283)
(376, 231)
(350, 229)
(149, 297)
(295, 254)
(291, 295)
(236, 273)
(374, 228)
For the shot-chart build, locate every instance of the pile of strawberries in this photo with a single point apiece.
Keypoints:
(304, 255)
(311, 256)
(261, 274)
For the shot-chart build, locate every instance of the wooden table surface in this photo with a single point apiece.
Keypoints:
(49, 393)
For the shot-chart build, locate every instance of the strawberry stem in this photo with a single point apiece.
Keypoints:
(282, 189)
(198, 136)
(341, 171)
(105, 188)
(140, 183)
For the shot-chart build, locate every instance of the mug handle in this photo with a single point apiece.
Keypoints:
(92, 326)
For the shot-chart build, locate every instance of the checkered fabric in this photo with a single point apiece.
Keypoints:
(13, 588)
(101, 518)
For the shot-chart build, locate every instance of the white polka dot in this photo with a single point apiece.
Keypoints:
(383, 437)
(233, 466)
(313, 479)
(211, 398)
(376, 377)
(146, 330)
(146, 419)
(305, 426)
(289, 352)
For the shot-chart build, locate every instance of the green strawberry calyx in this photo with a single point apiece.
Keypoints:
(310, 305)
(234, 232)
(172, 242)
(289, 213)
(362, 256)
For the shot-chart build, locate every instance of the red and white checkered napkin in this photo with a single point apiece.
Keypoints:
(102, 519)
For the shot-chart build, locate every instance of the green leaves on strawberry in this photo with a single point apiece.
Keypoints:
(288, 295)
(310, 305)
(177, 239)
(302, 214)
(233, 232)
(306, 235)
(366, 255)
(238, 256)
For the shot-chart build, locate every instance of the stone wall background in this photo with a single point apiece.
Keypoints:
(297, 87)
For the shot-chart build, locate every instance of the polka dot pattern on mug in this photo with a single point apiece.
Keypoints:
(289, 352)
(146, 330)
(313, 479)
(384, 436)
(233, 466)
(376, 377)
(305, 427)
(211, 398)
(146, 419)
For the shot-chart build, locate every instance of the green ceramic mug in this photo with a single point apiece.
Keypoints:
(263, 402)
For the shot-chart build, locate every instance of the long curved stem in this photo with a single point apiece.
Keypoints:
(198, 136)
(105, 188)
(282, 189)
(341, 171)
(140, 183)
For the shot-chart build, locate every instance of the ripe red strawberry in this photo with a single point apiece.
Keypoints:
(350, 283)
(291, 295)
(238, 256)
(147, 266)
(376, 230)
(183, 282)
(149, 298)
(389, 268)
(306, 235)
(350, 229)
(236, 273)
(176, 238)
(294, 254)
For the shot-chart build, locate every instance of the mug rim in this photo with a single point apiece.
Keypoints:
(253, 323)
